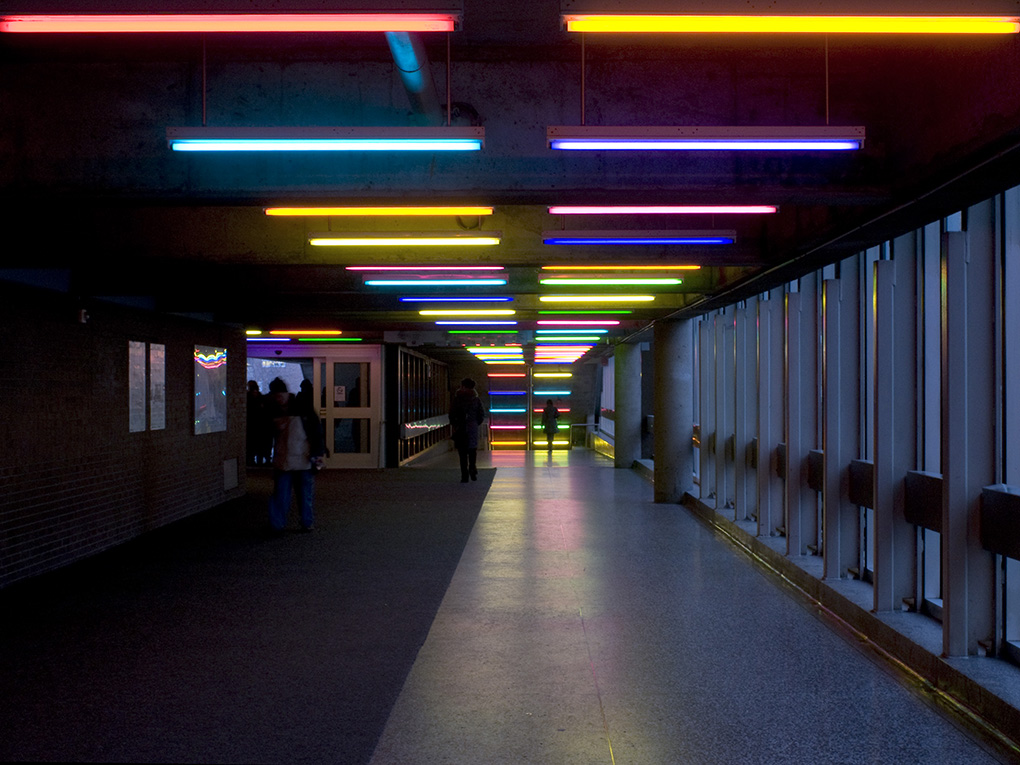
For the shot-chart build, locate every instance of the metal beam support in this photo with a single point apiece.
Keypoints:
(724, 398)
(706, 394)
(673, 345)
(968, 428)
(841, 385)
(895, 425)
(627, 425)
(801, 417)
(770, 412)
(745, 414)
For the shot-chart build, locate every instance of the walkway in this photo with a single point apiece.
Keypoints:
(573, 622)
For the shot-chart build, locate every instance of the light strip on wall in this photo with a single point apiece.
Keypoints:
(614, 281)
(229, 22)
(640, 237)
(708, 138)
(404, 239)
(435, 282)
(662, 209)
(379, 211)
(755, 24)
(325, 138)
(596, 298)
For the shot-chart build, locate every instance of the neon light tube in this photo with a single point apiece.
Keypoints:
(570, 331)
(268, 339)
(707, 138)
(469, 312)
(639, 281)
(229, 22)
(551, 392)
(567, 338)
(596, 298)
(482, 331)
(578, 323)
(325, 139)
(590, 311)
(329, 339)
(505, 363)
(507, 374)
(435, 282)
(408, 269)
(477, 299)
(477, 323)
(639, 237)
(559, 409)
(662, 209)
(509, 443)
(553, 374)
(621, 268)
(508, 427)
(507, 393)
(510, 411)
(565, 426)
(295, 332)
(251, 332)
(379, 211)
(409, 239)
(792, 24)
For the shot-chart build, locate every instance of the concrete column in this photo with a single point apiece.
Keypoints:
(627, 371)
(674, 409)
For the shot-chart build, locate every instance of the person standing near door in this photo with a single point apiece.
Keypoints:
(550, 422)
(466, 414)
(297, 455)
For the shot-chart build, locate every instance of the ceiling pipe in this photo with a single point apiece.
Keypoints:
(413, 64)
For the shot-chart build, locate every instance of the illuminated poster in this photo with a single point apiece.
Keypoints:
(157, 386)
(136, 386)
(210, 389)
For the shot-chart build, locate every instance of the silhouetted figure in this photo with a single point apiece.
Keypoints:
(466, 414)
(257, 436)
(550, 422)
(297, 455)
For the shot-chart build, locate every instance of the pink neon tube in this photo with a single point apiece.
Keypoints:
(229, 22)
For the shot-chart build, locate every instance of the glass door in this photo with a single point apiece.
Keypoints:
(350, 406)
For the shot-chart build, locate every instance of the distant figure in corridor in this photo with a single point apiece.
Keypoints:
(550, 424)
(256, 430)
(466, 414)
(297, 455)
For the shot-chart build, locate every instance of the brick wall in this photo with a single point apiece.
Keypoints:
(73, 479)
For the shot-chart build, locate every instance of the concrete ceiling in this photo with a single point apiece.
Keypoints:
(93, 200)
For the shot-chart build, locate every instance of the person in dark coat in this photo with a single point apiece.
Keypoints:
(550, 422)
(466, 414)
(298, 451)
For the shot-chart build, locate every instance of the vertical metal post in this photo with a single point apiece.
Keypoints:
(840, 420)
(745, 413)
(968, 427)
(770, 412)
(895, 426)
(706, 383)
(723, 398)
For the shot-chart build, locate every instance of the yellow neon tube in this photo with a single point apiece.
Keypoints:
(792, 24)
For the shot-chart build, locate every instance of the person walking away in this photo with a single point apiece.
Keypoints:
(297, 456)
(550, 424)
(466, 414)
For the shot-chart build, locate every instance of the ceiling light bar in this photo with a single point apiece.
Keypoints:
(477, 323)
(435, 282)
(507, 374)
(482, 331)
(408, 269)
(305, 332)
(578, 323)
(613, 281)
(570, 338)
(268, 339)
(470, 312)
(639, 237)
(552, 374)
(325, 138)
(728, 24)
(705, 138)
(229, 22)
(447, 299)
(663, 210)
(599, 311)
(329, 339)
(404, 239)
(622, 268)
(551, 392)
(463, 211)
(596, 298)
(570, 332)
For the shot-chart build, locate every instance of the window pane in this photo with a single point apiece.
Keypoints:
(351, 436)
(136, 386)
(350, 384)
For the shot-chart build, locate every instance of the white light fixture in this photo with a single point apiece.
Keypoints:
(325, 138)
(705, 138)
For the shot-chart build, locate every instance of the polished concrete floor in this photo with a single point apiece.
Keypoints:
(586, 624)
